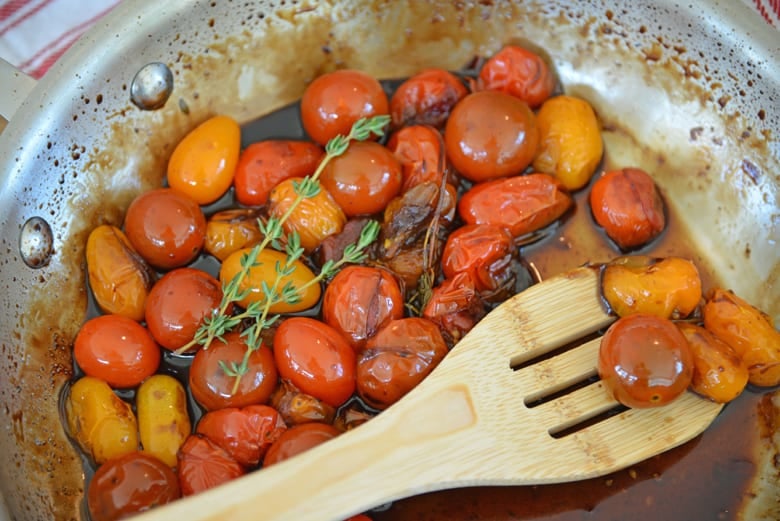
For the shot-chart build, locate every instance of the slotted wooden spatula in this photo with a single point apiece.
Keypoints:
(496, 411)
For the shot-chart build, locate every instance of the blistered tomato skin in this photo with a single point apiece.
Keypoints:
(645, 361)
(520, 73)
(203, 163)
(427, 98)
(455, 307)
(334, 101)
(420, 151)
(316, 358)
(299, 439)
(520, 204)
(297, 407)
(231, 230)
(491, 135)
(166, 227)
(163, 420)
(129, 485)
(484, 251)
(120, 279)
(116, 349)
(202, 465)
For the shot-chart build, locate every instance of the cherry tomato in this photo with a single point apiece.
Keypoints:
(265, 164)
(426, 98)
(245, 434)
(520, 73)
(521, 204)
(130, 484)
(204, 465)
(484, 251)
(455, 306)
(297, 407)
(116, 349)
(178, 303)
(363, 179)
(627, 205)
(299, 439)
(316, 358)
(420, 150)
(397, 358)
(645, 361)
(360, 301)
(166, 227)
(231, 230)
(489, 135)
(203, 163)
(333, 102)
(213, 388)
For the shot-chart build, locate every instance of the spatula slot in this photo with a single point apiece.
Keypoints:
(551, 393)
(536, 356)
(567, 429)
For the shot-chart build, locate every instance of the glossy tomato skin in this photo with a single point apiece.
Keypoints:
(420, 151)
(204, 465)
(212, 388)
(484, 251)
(166, 227)
(178, 303)
(455, 307)
(359, 301)
(130, 484)
(520, 73)
(427, 98)
(645, 361)
(491, 135)
(297, 407)
(116, 349)
(228, 231)
(316, 358)
(333, 102)
(299, 439)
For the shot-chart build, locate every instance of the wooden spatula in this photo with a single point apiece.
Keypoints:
(496, 411)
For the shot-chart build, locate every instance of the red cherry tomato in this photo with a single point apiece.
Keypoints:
(299, 439)
(520, 73)
(420, 150)
(363, 179)
(455, 306)
(490, 135)
(204, 465)
(165, 227)
(484, 251)
(130, 484)
(333, 102)
(178, 303)
(246, 433)
(116, 349)
(316, 358)
(213, 388)
(263, 165)
(645, 361)
(361, 300)
(426, 98)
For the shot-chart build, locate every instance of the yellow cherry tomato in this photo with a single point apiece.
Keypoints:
(231, 230)
(163, 421)
(266, 273)
(204, 162)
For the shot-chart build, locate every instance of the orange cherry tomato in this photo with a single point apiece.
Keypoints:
(455, 306)
(129, 485)
(363, 179)
(520, 73)
(203, 465)
(521, 204)
(203, 163)
(361, 300)
(299, 439)
(426, 98)
(116, 349)
(628, 206)
(265, 164)
(231, 230)
(491, 134)
(178, 303)
(420, 150)
(316, 358)
(213, 388)
(166, 227)
(484, 251)
(645, 361)
(333, 102)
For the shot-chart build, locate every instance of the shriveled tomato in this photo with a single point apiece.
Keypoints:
(333, 102)
(297, 407)
(628, 206)
(203, 163)
(490, 135)
(129, 485)
(363, 179)
(231, 230)
(299, 439)
(116, 349)
(519, 72)
(645, 361)
(203, 465)
(361, 300)
(455, 306)
(520, 204)
(420, 150)
(178, 303)
(166, 227)
(246, 433)
(213, 388)
(316, 358)
(397, 358)
(265, 164)
(426, 98)
(484, 251)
